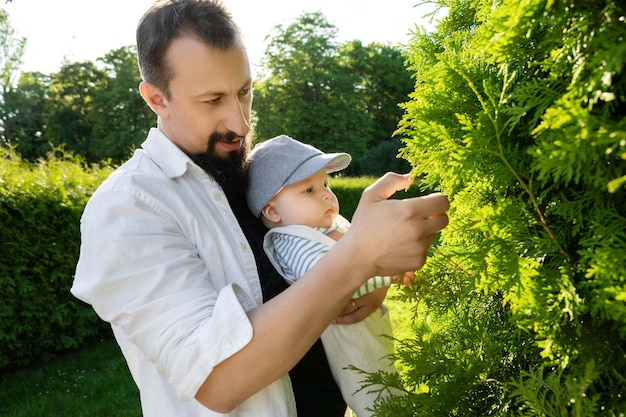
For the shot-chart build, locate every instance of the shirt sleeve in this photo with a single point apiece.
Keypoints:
(373, 284)
(141, 273)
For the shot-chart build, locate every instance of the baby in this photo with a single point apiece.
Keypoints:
(289, 191)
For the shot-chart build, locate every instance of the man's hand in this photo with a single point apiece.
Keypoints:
(394, 236)
(359, 308)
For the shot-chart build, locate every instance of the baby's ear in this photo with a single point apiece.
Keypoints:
(270, 213)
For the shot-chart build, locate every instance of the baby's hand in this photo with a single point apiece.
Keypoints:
(335, 234)
(404, 279)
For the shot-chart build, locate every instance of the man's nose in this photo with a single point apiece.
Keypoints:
(237, 118)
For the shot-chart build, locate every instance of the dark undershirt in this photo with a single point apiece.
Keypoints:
(315, 390)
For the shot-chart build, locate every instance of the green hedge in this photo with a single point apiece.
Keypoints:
(40, 208)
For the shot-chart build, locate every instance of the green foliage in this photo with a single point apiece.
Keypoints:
(120, 118)
(384, 158)
(11, 53)
(94, 111)
(336, 96)
(69, 102)
(24, 116)
(382, 82)
(518, 116)
(40, 208)
(305, 94)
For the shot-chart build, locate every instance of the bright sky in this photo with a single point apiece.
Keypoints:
(83, 30)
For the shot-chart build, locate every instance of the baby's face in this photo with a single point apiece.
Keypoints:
(309, 202)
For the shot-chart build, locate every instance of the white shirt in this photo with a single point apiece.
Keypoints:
(164, 260)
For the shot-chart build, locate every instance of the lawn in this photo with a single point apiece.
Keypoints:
(93, 382)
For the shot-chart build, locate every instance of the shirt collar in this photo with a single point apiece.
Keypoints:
(168, 156)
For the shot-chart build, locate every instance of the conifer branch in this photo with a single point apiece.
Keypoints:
(494, 118)
(454, 264)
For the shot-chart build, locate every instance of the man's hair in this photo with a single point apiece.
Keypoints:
(167, 20)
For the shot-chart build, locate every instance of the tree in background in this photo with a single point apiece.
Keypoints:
(24, 115)
(304, 92)
(383, 158)
(11, 53)
(70, 100)
(518, 116)
(336, 97)
(382, 82)
(92, 111)
(119, 117)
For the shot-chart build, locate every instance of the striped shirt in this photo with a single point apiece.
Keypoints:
(294, 253)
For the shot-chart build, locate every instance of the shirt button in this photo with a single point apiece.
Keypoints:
(243, 246)
(217, 197)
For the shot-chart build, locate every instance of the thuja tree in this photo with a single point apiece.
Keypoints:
(519, 116)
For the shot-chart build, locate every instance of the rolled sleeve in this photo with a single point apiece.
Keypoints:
(217, 340)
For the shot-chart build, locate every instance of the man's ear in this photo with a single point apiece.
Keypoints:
(270, 213)
(154, 97)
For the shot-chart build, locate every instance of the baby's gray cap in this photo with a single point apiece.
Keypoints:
(282, 161)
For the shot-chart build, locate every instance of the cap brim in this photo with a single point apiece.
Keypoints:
(332, 162)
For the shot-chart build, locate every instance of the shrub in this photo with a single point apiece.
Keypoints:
(40, 208)
(518, 116)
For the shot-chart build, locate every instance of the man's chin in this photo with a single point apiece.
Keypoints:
(217, 159)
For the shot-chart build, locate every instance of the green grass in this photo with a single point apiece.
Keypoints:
(95, 381)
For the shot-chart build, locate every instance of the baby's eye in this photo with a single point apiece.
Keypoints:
(309, 190)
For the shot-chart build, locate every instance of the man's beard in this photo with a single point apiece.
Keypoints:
(230, 173)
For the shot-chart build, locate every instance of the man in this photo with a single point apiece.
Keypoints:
(171, 256)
